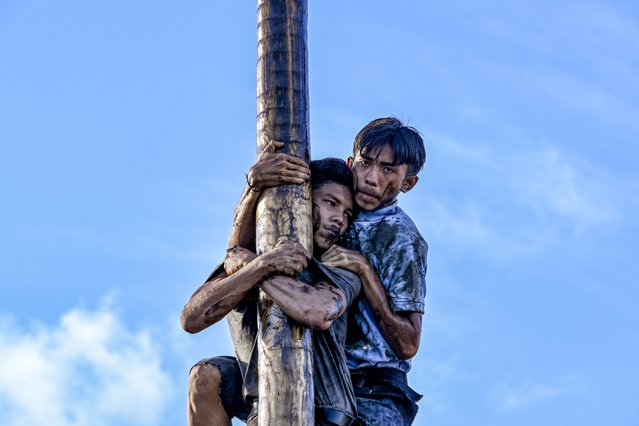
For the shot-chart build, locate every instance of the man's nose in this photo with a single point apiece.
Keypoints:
(338, 219)
(371, 178)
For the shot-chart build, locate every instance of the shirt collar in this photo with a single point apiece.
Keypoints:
(364, 215)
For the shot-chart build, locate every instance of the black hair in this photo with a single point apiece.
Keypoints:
(328, 170)
(405, 142)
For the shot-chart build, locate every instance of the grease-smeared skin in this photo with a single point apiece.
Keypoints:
(332, 213)
(220, 294)
(244, 269)
(318, 307)
(275, 168)
(336, 305)
(241, 297)
(377, 180)
(316, 217)
(402, 330)
(271, 168)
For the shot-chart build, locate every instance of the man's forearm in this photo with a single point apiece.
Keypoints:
(218, 296)
(243, 229)
(401, 330)
(315, 307)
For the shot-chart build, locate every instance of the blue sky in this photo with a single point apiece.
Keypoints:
(125, 132)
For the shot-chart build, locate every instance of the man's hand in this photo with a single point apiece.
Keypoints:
(236, 258)
(287, 258)
(339, 257)
(273, 169)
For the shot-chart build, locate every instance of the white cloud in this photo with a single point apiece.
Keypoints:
(88, 369)
(513, 199)
(539, 175)
(511, 398)
(564, 188)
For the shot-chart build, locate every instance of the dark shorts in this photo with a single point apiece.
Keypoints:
(231, 386)
(236, 406)
(384, 400)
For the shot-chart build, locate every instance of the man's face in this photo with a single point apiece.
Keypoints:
(376, 180)
(332, 212)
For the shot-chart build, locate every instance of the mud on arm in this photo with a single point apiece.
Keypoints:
(314, 306)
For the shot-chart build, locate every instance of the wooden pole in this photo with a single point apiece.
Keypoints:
(284, 212)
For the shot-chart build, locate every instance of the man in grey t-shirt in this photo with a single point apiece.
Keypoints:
(224, 387)
(387, 252)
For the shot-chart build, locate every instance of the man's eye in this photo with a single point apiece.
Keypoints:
(330, 203)
(388, 170)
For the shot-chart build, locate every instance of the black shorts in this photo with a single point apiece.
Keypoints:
(231, 386)
(236, 406)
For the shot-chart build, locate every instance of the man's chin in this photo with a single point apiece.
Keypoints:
(321, 244)
(367, 203)
(319, 250)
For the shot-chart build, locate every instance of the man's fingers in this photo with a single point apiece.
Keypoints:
(332, 253)
(293, 173)
(296, 161)
(276, 170)
(289, 172)
(291, 251)
(286, 242)
(287, 164)
(273, 146)
(334, 259)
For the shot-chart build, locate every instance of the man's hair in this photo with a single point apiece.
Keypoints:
(405, 142)
(329, 170)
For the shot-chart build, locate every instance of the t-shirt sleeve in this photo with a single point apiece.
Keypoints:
(404, 273)
(346, 281)
(216, 271)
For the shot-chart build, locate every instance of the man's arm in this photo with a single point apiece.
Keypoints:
(314, 306)
(225, 289)
(402, 330)
(220, 294)
(270, 169)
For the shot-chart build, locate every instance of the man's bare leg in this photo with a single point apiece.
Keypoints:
(204, 403)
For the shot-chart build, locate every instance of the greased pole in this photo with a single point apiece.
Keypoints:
(284, 212)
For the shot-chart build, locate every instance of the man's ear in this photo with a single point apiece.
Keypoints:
(409, 183)
(349, 162)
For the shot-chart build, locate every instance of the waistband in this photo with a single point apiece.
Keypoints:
(384, 377)
(326, 415)
(367, 375)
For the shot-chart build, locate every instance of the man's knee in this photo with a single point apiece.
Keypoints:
(204, 379)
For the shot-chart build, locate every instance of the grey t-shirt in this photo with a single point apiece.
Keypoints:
(394, 247)
(332, 381)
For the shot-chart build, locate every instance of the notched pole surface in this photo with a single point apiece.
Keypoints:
(285, 348)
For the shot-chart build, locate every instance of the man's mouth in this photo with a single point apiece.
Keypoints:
(332, 233)
(366, 194)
